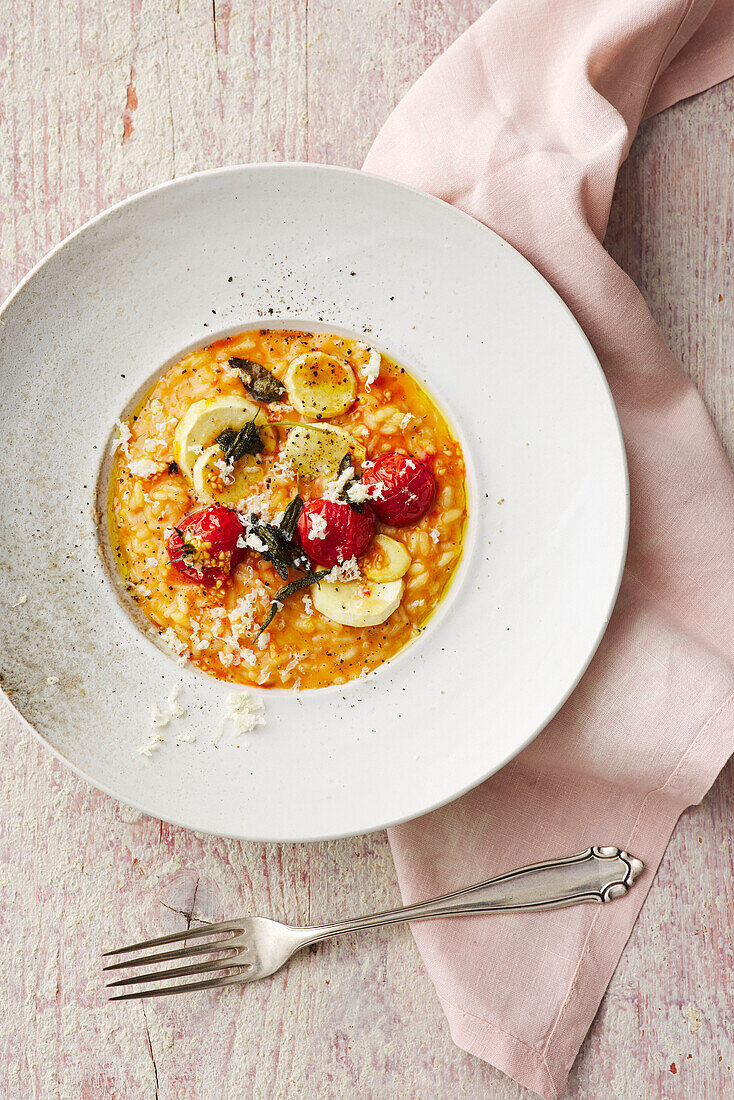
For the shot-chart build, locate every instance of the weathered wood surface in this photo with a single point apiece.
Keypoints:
(98, 99)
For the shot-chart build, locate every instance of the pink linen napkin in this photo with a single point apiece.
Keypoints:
(523, 124)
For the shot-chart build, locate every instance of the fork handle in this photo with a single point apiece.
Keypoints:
(594, 875)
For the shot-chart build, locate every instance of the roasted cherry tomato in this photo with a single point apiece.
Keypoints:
(203, 547)
(331, 532)
(401, 488)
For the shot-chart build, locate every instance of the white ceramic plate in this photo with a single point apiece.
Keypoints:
(311, 247)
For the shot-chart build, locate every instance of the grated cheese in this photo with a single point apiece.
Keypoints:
(174, 707)
(335, 488)
(149, 747)
(244, 711)
(316, 526)
(405, 421)
(307, 604)
(282, 471)
(123, 438)
(172, 640)
(346, 571)
(158, 718)
(371, 370)
(242, 615)
(226, 472)
(357, 493)
(145, 467)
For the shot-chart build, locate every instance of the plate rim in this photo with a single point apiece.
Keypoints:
(338, 170)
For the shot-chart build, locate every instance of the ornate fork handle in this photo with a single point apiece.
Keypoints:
(594, 875)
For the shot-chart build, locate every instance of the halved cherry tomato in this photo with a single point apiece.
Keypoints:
(331, 532)
(401, 488)
(208, 551)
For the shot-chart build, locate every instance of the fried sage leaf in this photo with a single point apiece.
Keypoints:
(235, 445)
(290, 518)
(258, 380)
(277, 549)
(344, 465)
(290, 590)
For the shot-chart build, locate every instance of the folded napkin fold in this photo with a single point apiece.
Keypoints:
(524, 123)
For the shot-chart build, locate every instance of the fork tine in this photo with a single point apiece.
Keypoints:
(182, 972)
(211, 983)
(176, 937)
(182, 953)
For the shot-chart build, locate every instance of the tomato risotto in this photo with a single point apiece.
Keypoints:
(287, 508)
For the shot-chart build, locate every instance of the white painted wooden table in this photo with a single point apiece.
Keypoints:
(100, 98)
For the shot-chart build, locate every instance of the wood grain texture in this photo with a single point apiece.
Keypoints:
(98, 99)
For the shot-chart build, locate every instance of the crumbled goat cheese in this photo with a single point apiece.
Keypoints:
(196, 448)
(20, 601)
(307, 604)
(187, 738)
(334, 489)
(377, 492)
(145, 467)
(149, 747)
(405, 421)
(53, 679)
(410, 464)
(122, 439)
(317, 526)
(248, 657)
(347, 571)
(435, 534)
(371, 371)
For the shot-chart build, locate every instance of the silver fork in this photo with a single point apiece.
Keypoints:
(255, 947)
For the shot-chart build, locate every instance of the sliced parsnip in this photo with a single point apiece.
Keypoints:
(357, 603)
(386, 560)
(214, 483)
(204, 420)
(317, 449)
(319, 385)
